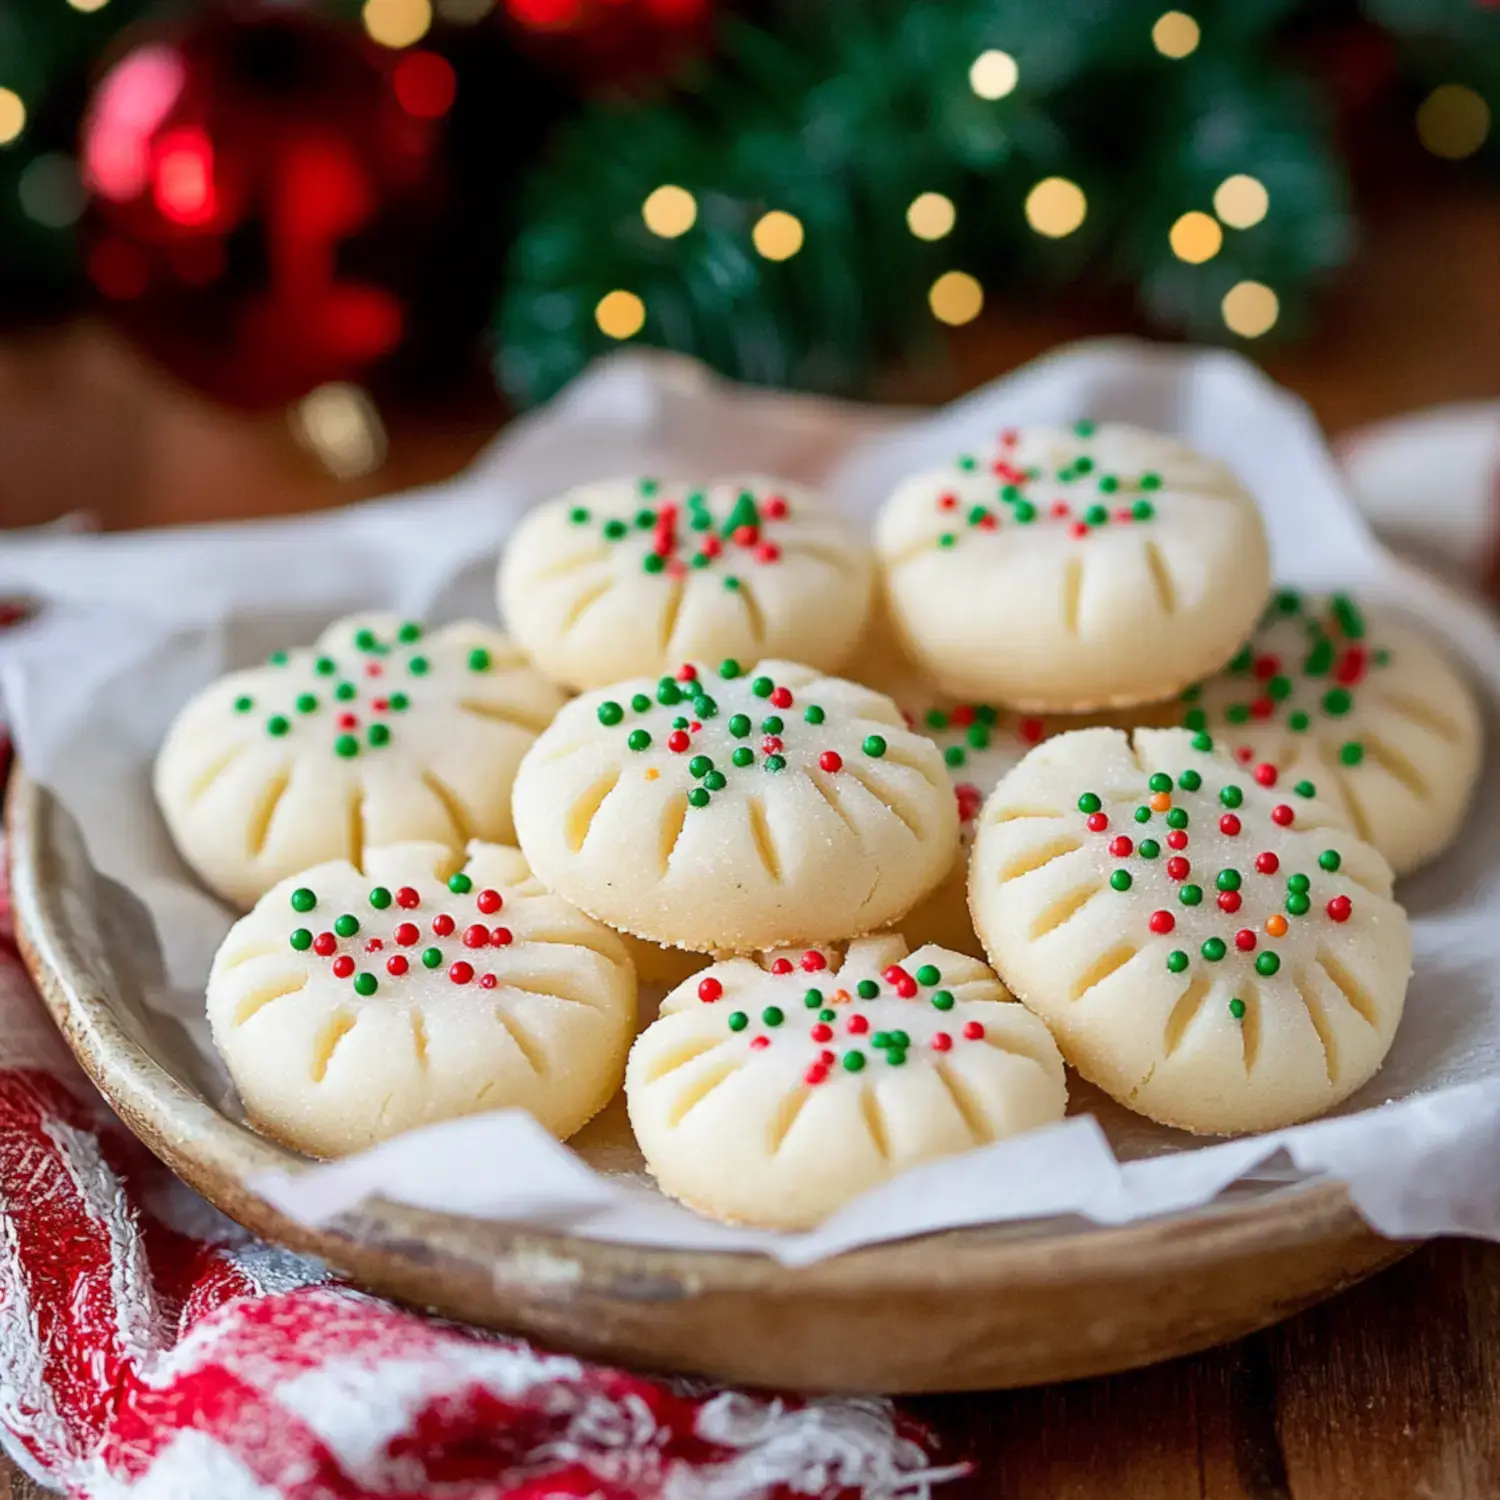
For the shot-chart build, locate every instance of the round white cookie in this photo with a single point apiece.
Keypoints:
(350, 1006)
(379, 733)
(632, 576)
(1068, 571)
(773, 1092)
(1365, 706)
(1207, 942)
(736, 809)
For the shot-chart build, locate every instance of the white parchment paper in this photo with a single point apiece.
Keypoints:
(133, 624)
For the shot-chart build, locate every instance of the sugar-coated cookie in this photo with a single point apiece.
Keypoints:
(1069, 571)
(381, 732)
(736, 809)
(771, 1092)
(350, 1006)
(1206, 940)
(629, 577)
(1362, 703)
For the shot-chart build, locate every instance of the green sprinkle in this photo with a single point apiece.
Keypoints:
(668, 693)
(928, 975)
(1121, 880)
(459, 883)
(874, 746)
(977, 513)
(1084, 428)
(699, 767)
(1143, 814)
(1299, 884)
(867, 989)
(1382, 657)
(1148, 849)
(648, 486)
(1150, 481)
(1109, 483)
(1320, 659)
(1089, 803)
(1305, 789)
(813, 999)
(775, 763)
(1177, 961)
(303, 899)
(1084, 465)
(325, 666)
(773, 1015)
(418, 666)
(1203, 742)
(1298, 904)
(1351, 753)
(1010, 493)
(1242, 661)
(1237, 1009)
(715, 781)
(346, 925)
(987, 713)
(762, 687)
(743, 756)
(1190, 895)
(1143, 510)
(1195, 718)
(1298, 722)
(1279, 688)
(653, 562)
(432, 957)
(814, 714)
(967, 462)
(895, 1056)
(701, 559)
(900, 1039)
(732, 584)
(740, 725)
(479, 660)
(978, 735)
(365, 984)
(645, 519)
(772, 724)
(880, 1040)
(1237, 713)
(610, 713)
(1329, 860)
(942, 999)
(345, 691)
(615, 529)
(853, 1062)
(578, 516)
(277, 725)
(1213, 950)
(380, 734)
(346, 745)
(1190, 781)
(954, 756)
(1228, 880)
(1267, 964)
(1346, 612)
(301, 939)
(277, 658)
(243, 705)
(1337, 702)
(380, 898)
(1096, 515)
(1177, 818)
(1024, 512)
(307, 703)
(738, 1020)
(1160, 782)
(1288, 601)
(400, 702)
(365, 640)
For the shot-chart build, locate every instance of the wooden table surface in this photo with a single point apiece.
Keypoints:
(1390, 1392)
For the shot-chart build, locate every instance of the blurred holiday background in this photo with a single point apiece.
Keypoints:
(271, 255)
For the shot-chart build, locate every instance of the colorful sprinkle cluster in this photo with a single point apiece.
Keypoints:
(355, 698)
(837, 1025)
(354, 952)
(1158, 843)
(759, 741)
(964, 731)
(689, 534)
(1309, 687)
(1076, 494)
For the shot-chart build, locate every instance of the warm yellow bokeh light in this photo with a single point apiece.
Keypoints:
(88, 6)
(1176, 34)
(955, 298)
(1195, 238)
(1250, 309)
(994, 74)
(1055, 207)
(397, 23)
(930, 216)
(670, 211)
(1241, 201)
(12, 116)
(777, 235)
(1453, 121)
(620, 314)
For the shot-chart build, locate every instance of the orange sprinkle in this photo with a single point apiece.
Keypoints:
(651, 773)
(839, 997)
(1161, 801)
(1276, 925)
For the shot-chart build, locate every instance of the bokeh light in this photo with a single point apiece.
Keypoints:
(88, 6)
(670, 211)
(1250, 309)
(1453, 121)
(1056, 207)
(620, 314)
(1176, 34)
(956, 298)
(777, 235)
(1241, 201)
(49, 191)
(1195, 238)
(397, 23)
(12, 116)
(425, 84)
(930, 216)
(994, 74)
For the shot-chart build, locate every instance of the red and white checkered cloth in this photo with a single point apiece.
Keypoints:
(151, 1349)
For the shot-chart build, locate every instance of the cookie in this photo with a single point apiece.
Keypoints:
(1071, 571)
(773, 1092)
(381, 732)
(1205, 940)
(350, 1006)
(1364, 705)
(736, 809)
(630, 577)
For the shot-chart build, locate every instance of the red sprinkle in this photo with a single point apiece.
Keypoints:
(768, 552)
(347, 721)
(1098, 822)
(1262, 708)
(1230, 824)
(374, 669)
(1351, 667)
(487, 981)
(942, 1042)
(1121, 847)
(687, 672)
(900, 981)
(343, 966)
(948, 502)
(1124, 514)
(1078, 528)
(396, 964)
(781, 697)
(816, 1074)
(1229, 901)
(461, 972)
(476, 936)
(812, 961)
(747, 536)
(974, 1030)
(771, 745)
(501, 937)
(374, 945)
(1244, 755)
(781, 966)
(1339, 909)
(709, 990)
(711, 545)
(759, 1043)
(1244, 939)
(407, 897)
(831, 760)
(1283, 815)
(407, 933)
(1267, 863)
(678, 741)
(774, 509)
(324, 944)
(1061, 508)
(380, 704)
(1265, 774)
(857, 1025)
(1177, 839)
(1031, 730)
(989, 522)
(443, 924)
(1178, 868)
(821, 1032)
(963, 715)
(489, 902)
(1266, 667)
(1162, 921)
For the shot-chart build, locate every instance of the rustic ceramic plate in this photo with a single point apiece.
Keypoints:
(1002, 1306)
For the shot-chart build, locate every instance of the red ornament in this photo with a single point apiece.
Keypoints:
(262, 187)
(619, 45)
